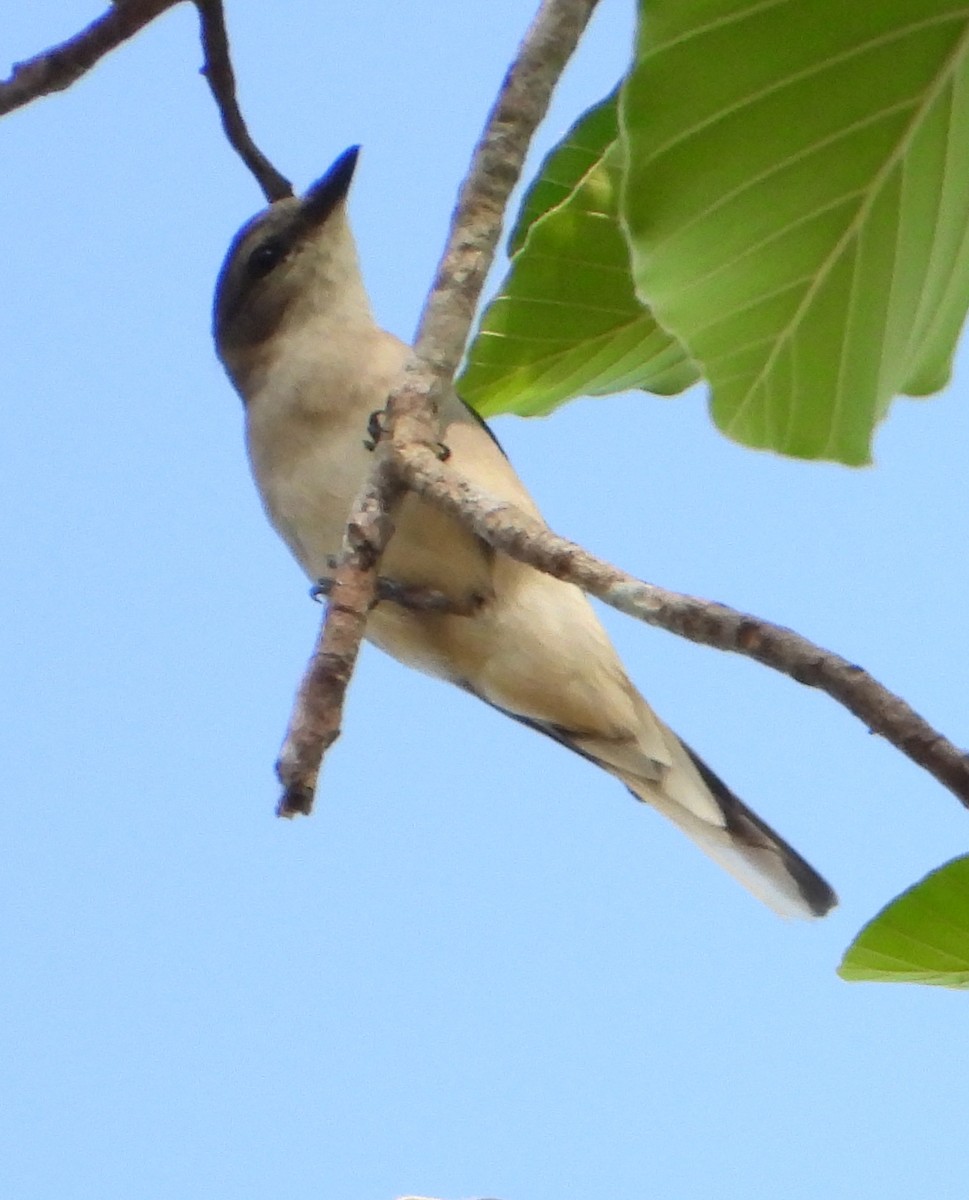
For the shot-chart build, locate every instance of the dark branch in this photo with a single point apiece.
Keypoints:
(55, 69)
(221, 78)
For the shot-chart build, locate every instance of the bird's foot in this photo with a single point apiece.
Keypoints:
(415, 598)
(410, 596)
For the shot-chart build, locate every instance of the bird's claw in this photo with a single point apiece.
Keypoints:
(321, 589)
(375, 429)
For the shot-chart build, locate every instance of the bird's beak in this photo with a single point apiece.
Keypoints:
(323, 197)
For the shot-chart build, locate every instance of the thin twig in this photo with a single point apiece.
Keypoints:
(58, 67)
(221, 78)
(445, 323)
(522, 537)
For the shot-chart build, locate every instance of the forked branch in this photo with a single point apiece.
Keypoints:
(406, 454)
(408, 448)
(59, 66)
(411, 413)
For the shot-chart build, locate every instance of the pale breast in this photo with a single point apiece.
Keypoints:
(308, 467)
(306, 424)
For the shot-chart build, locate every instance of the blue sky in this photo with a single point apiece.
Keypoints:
(479, 969)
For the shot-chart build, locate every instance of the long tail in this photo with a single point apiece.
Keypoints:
(745, 846)
(699, 803)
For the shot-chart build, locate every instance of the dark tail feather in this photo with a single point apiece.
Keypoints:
(745, 846)
(747, 829)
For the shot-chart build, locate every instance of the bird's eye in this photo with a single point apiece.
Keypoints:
(266, 255)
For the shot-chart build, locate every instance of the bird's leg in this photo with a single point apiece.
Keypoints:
(425, 599)
(410, 596)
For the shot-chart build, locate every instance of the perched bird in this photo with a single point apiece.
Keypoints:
(294, 329)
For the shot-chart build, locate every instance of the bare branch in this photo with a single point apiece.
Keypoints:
(60, 66)
(218, 71)
(495, 168)
(476, 222)
(475, 227)
(317, 712)
(520, 536)
(57, 68)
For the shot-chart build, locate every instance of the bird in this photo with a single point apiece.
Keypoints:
(294, 329)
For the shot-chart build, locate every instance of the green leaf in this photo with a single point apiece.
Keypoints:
(566, 166)
(798, 205)
(566, 321)
(921, 937)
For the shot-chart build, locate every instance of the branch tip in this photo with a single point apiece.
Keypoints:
(218, 72)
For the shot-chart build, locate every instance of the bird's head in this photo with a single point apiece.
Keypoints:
(291, 263)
